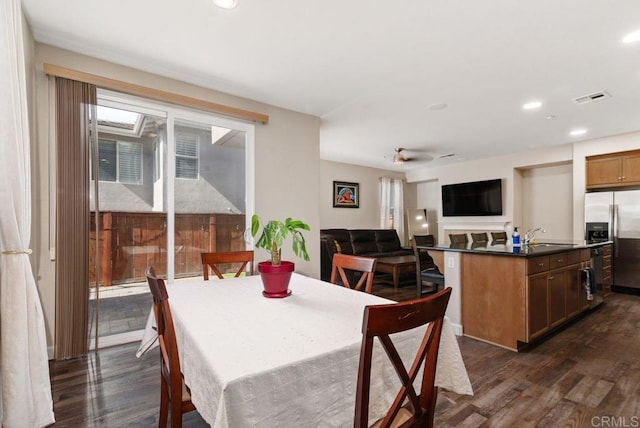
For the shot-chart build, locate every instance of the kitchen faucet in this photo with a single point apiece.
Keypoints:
(531, 233)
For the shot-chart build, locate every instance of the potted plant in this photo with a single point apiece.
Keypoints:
(276, 273)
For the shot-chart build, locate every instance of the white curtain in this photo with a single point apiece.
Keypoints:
(25, 399)
(386, 221)
(392, 205)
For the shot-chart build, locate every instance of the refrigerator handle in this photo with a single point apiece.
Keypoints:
(615, 230)
(611, 221)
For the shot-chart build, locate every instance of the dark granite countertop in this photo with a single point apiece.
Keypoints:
(532, 250)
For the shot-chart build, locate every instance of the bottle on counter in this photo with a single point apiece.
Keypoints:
(515, 237)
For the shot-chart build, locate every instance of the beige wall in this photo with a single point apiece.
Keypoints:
(510, 168)
(365, 217)
(548, 201)
(542, 187)
(286, 173)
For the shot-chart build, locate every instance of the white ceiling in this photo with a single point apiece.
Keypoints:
(371, 69)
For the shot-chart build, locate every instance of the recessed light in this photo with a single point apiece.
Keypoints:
(438, 106)
(532, 105)
(632, 37)
(578, 132)
(226, 4)
(551, 116)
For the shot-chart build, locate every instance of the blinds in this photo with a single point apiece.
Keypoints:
(107, 161)
(120, 161)
(186, 155)
(129, 162)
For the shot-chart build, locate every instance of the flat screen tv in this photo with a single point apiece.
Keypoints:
(478, 198)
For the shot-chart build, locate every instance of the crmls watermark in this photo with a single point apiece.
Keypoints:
(615, 421)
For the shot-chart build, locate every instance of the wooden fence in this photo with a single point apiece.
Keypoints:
(131, 241)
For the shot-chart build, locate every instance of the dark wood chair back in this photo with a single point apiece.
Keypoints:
(174, 393)
(458, 238)
(366, 265)
(479, 237)
(427, 240)
(382, 320)
(499, 236)
(212, 260)
(427, 272)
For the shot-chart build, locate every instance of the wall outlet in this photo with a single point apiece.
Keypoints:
(450, 262)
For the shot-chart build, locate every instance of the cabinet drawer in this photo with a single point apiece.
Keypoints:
(537, 264)
(606, 250)
(573, 257)
(558, 260)
(585, 255)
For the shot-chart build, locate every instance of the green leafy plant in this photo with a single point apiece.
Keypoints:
(274, 233)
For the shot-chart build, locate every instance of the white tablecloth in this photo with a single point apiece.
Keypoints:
(252, 361)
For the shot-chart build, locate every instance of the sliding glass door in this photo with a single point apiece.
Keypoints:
(167, 184)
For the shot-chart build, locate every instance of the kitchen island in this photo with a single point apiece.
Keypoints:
(512, 296)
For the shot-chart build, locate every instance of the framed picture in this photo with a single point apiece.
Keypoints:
(346, 195)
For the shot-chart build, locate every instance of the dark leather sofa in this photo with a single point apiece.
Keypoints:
(361, 242)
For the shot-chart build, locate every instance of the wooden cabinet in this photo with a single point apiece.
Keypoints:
(554, 290)
(538, 305)
(613, 170)
(511, 301)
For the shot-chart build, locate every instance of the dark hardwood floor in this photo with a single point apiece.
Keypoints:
(576, 378)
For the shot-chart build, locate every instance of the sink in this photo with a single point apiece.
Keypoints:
(549, 244)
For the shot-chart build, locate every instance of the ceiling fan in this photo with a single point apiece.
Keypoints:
(399, 158)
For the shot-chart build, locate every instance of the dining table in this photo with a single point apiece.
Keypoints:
(252, 361)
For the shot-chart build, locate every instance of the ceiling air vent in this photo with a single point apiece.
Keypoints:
(596, 96)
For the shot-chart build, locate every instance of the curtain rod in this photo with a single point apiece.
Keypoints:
(156, 94)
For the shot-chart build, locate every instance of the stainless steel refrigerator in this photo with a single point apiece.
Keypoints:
(615, 216)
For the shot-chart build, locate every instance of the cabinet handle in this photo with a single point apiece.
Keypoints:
(623, 177)
(559, 260)
(619, 178)
(540, 264)
(551, 278)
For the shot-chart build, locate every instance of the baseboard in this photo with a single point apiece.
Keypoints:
(50, 352)
(457, 329)
(117, 339)
(626, 290)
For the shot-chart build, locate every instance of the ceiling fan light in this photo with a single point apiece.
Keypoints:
(398, 159)
(226, 4)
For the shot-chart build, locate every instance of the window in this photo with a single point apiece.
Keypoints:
(187, 156)
(120, 162)
(392, 205)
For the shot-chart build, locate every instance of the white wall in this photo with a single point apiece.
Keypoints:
(287, 166)
(365, 217)
(548, 201)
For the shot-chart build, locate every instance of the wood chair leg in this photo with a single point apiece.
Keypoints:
(176, 414)
(164, 403)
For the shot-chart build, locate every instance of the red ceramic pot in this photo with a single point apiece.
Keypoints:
(275, 279)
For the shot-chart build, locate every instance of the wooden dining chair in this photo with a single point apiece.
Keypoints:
(458, 238)
(212, 260)
(382, 320)
(427, 272)
(499, 237)
(426, 240)
(174, 393)
(479, 237)
(365, 265)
